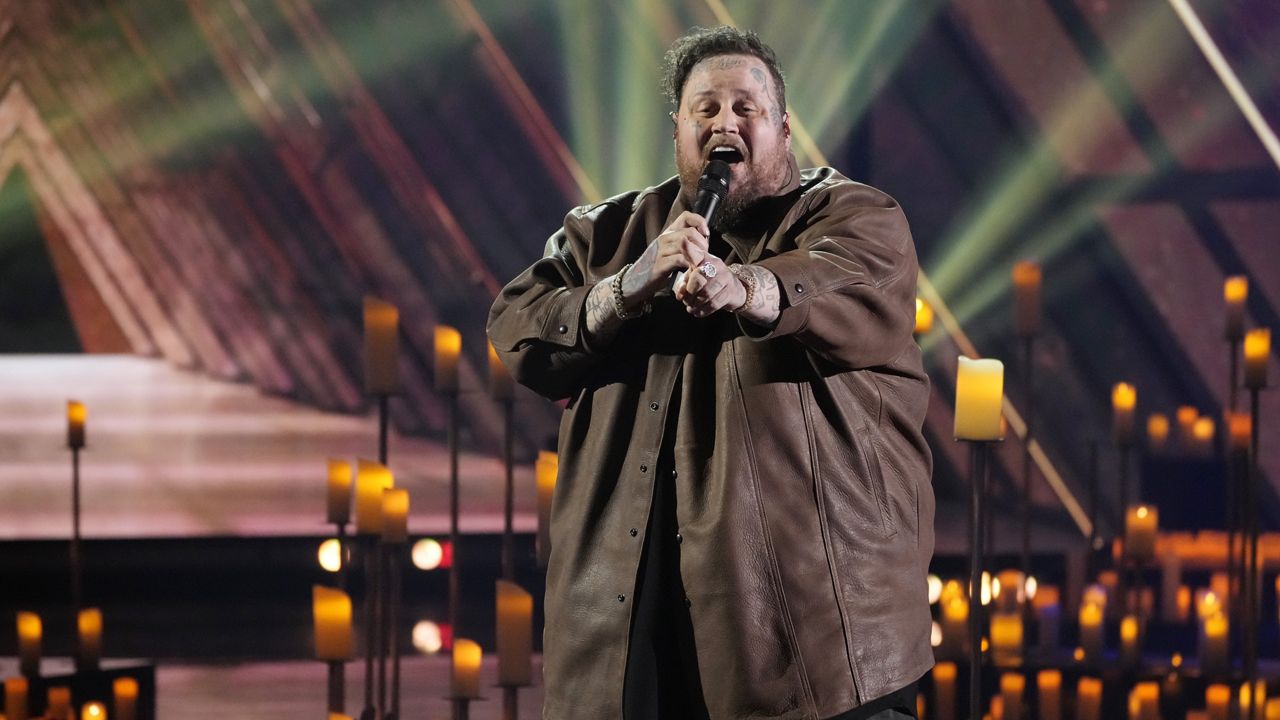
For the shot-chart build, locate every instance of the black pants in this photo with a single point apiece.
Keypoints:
(662, 680)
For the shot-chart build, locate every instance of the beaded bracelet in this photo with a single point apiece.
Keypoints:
(618, 306)
(749, 280)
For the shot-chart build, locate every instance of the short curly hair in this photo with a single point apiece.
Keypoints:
(701, 43)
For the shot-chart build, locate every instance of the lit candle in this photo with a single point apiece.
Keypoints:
(1170, 581)
(955, 620)
(124, 693)
(1012, 686)
(1140, 526)
(448, 351)
(548, 465)
(1130, 642)
(395, 515)
(59, 703)
(944, 691)
(1088, 699)
(1157, 430)
(30, 632)
(371, 480)
(1174, 701)
(93, 711)
(76, 416)
(979, 393)
(501, 386)
(1026, 291)
(1123, 400)
(1259, 696)
(1147, 701)
(1217, 701)
(331, 613)
(1214, 658)
(1184, 603)
(1048, 607)
(1006, 637)
(1240, 430)
(15, 698)
(1202, 431)
(515, 635)
(924, 316)
(381, 347)
(1049, 687)
(339, 495)
(1091, 632)
(89, 623)
(1272, 709)
(466, 669)
(1235, 291)
(1186, 415)
(1257, 352)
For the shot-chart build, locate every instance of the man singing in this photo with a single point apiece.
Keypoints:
(743, 519)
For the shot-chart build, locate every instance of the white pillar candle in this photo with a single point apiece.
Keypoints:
(515, 635)
(979, 396)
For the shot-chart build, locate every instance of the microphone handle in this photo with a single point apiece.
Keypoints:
(705, 204)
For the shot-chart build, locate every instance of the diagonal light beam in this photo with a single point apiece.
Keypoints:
(1228, 77)
(952, 326)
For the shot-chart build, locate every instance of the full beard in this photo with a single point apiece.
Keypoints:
(743, 195)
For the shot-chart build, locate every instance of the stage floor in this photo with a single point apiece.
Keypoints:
(177, 454)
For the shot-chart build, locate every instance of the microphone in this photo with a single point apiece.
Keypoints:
(712, 187)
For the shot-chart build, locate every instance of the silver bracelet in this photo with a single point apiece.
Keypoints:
(748, 279)
(618, 306)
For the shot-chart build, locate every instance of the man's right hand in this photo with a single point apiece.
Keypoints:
(681, 246)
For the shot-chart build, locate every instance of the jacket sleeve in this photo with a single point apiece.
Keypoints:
(848, 288)
(535, 325)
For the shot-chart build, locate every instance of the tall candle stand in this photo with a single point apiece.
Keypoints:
(337, 686)
(1028, 389)
(395, 561)
(76, 417)
(1235, 293)
(1123, 403)
(1257, 351)
(1026, 322)
(369, 551)
(979, 457)
(979, 400)
(455, 588)
(77, 570)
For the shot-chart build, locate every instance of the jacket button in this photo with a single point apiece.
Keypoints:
(634, 532)
(622, 598)
(688, 602)
(799, 289)
(679, 539)
(653, 406)
(563, 329)
(644, 468)
(674, 474)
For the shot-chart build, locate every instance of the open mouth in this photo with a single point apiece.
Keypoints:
(726, 153)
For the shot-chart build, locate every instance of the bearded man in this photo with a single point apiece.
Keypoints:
(743, 519)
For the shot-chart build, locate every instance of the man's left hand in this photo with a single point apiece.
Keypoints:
(710, 287)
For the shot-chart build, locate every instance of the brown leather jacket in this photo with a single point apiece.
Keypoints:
(803, 493)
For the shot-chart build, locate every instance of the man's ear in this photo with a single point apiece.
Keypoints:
(675, 124)
(786, 126)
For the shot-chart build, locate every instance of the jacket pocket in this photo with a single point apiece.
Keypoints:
(873, 476)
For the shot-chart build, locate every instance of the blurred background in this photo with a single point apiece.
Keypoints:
(196, 196)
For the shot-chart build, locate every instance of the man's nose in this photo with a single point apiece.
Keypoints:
(725, 122)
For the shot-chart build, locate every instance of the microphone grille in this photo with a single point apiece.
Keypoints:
(715, 178)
